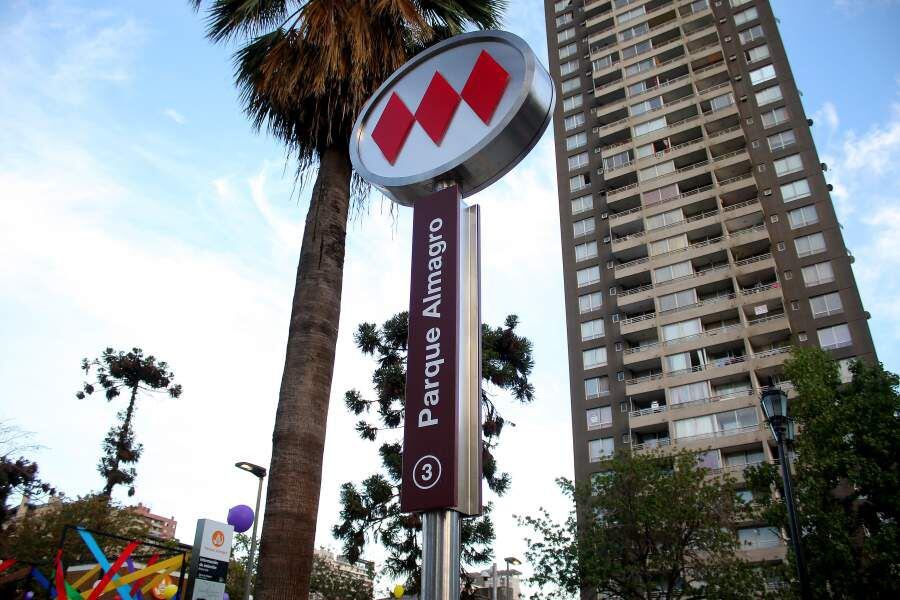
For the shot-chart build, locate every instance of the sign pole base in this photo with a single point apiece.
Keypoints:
(440, 555)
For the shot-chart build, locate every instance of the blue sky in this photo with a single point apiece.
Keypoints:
(140, 209)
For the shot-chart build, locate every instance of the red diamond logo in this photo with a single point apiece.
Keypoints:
(392, 128)
(485, 86)
(437, 107)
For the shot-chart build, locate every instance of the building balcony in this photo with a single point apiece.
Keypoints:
(662, 413)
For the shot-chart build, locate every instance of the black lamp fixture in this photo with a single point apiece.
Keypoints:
(775, 407)
(251, 468)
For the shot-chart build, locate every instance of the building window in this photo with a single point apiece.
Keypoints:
(617, 160)
(564, 19)
(788, 275)
(801, 217)
(826, 305)
(671, 244)
(633, 32)
(759, 537)
(782, 140)
(788, 164)
(631, 15)
(709, 425)
(677, 300)
(640, 48)
(659, 194)
(802, 336)
(795, 305)
(592, 330)
(774, 117)
(579, 182)
(757, 53)
(657, 170)
(588, 276)
(585, 251)
(646, 106)
(817, 274)
(567, 51)
(565, 35)
(692, 392)
(768, 95)
(810, 244)
(600, 449)
(582, 204)
(831, 338)
(584, 226)
(562, 5)
(590, 302)
(570, 85)
(649, 126)
(682, 329)
(596, 387)
(720, 102)
(639, 67)
(593, 358)
(573, 121)
(598, 418)
(795, 190)
(780, 246)
(576, 141)
(736, 3)
(671, 272)
(573, 102)
(745, 15)
(620, 376)
(748, 35)
(664, 219)
(762, 74)
(578, 161)
(568, 67)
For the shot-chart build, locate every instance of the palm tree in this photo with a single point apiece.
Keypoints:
(304, 70)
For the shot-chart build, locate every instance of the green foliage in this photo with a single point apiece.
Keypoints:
(133, 372)
(845, 476)
(18, 475)
(370, 510)
(648, 527)
(35, 538)
(305, 69)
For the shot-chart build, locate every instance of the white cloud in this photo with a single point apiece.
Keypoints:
(864, 169)
(175, 116)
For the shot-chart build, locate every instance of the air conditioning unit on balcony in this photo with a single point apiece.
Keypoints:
(604, 215)
(767, 192)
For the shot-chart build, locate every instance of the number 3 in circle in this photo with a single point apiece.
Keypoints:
(426, 472)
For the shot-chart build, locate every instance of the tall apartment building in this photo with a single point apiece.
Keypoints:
(699, 239)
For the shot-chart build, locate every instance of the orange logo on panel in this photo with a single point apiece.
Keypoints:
(218, 538)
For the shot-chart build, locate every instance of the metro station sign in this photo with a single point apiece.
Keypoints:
(447, 124)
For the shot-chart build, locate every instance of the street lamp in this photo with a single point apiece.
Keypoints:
(774, 405)
(259, 473)
(510, 560)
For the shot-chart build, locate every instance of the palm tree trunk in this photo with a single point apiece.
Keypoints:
(123, 435)
(295, 475)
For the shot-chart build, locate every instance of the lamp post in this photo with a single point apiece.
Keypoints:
(260, 474)
(510, 560)
(774, 405)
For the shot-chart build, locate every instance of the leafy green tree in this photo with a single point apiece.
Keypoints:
(304, 69)
(330, 581)
(371, 510)
(35, 538)
(18, 475)
(652, 526)
(846, 479)
(239, 567)
(133, 373)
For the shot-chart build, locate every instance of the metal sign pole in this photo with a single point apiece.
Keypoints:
(448, 123)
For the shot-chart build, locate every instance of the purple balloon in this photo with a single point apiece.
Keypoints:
(240, 517)
(225, 594)
(29, 595)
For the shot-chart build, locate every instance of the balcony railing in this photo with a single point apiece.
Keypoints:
(721, 433)
(773, 352)
(760, 289)
(724, 131)
(690, 219)
(725, 182)
(722, 157)
(637, 319)
(753, 259)
(713, 300)
(648, 411)
(657, 443)
(641, 348)
(766, 319)
(715, 65)
(667, 83)
(712, 399)
(732, 207)
(662, 153)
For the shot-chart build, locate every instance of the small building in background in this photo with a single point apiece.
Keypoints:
(160, 527)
